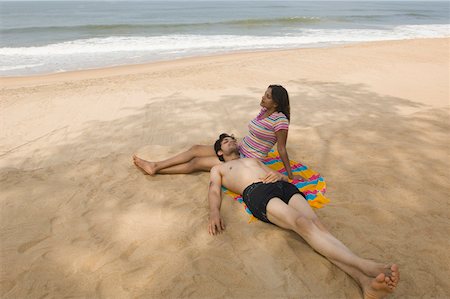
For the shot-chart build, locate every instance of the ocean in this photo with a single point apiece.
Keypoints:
(55, 36)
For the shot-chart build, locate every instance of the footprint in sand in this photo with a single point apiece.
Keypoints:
(130, 250)
(26, 246)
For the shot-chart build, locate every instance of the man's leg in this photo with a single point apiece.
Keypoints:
(195, 151)
(303, 220)
(372, 287)
(369, 267)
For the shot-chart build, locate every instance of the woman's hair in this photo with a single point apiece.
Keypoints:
(281, 97)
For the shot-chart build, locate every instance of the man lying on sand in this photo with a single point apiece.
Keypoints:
(272, 199)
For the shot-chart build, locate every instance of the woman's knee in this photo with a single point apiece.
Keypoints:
(199, 150)
(195, 149)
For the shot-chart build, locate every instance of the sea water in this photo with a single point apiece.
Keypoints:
(53, 36)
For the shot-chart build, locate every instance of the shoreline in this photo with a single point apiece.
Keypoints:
(128, 69)
(349, 64)
(197, 56)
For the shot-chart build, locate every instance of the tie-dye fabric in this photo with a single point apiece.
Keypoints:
(313, 185)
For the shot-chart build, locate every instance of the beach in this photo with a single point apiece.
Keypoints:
(79, 220)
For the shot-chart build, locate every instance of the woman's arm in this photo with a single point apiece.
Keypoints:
(281, 147)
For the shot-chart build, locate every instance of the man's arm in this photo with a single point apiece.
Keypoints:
(272, 176)
(216, 224)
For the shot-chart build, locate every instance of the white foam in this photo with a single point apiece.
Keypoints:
(99, 52)
(17, 67)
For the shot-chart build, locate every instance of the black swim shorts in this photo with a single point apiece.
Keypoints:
(257, 196)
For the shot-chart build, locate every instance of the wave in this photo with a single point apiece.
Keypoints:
(141, 27)
(281, 21)
(101, 52)
(192, 41)
(416, 14)
(18, 67)
(375, 17)
(161, 28)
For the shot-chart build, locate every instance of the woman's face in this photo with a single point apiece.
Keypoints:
(267, 101)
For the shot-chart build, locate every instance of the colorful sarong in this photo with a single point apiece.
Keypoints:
(312, 185)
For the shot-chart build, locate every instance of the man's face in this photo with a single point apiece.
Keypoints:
(228, 145)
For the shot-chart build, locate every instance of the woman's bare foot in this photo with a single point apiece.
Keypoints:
(146, 166)
(379, 287)
(395, 275)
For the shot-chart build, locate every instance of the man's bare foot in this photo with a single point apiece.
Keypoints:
(378, 287)
(146, 166)
(374, 268)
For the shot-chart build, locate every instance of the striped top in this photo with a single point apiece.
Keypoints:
(261, 137)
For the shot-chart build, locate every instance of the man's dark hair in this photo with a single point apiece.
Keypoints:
(218, 145)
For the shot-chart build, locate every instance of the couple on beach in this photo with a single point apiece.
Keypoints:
(268, 194)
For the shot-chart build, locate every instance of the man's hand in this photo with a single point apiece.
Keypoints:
(272, 177)
(216, 224)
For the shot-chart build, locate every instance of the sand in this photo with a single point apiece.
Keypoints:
(78, 220)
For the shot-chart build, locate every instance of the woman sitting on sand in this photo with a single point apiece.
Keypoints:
(269, 127)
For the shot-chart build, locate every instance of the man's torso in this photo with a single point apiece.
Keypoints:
(240, 173)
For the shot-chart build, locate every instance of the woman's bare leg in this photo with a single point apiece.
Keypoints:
(195, 164)
(196, 151)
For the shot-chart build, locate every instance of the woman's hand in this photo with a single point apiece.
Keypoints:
(298, 178)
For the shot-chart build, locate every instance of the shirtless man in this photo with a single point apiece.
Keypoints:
(272, 199)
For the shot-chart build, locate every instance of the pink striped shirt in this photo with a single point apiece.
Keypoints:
(261, 137)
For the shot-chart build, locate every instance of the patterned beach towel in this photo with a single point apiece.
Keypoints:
(312, 185)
